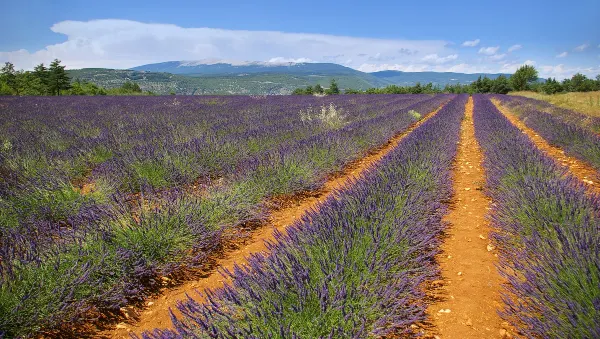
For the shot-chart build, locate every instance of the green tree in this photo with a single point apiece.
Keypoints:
(522, 77)
(298, 91)
(318, 89)
(131, 87)
(43, 75)
(29, 84)
(500, 85)
(551, 86)
(8, 76)
(333, 88)
(308, 90)
(58, 78)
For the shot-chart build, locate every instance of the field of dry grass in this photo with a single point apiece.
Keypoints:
(584, 102)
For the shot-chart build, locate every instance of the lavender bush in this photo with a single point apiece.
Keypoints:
(352, 269)
(558, 130)
(569, 116)
(546, 227)
(168, 176)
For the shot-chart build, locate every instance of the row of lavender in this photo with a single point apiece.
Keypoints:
(567, 115)
(546, 226)
(50, 144)
(352, 269)
(111, 251)
(562, 130)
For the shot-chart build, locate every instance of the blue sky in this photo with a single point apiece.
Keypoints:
(558, 37)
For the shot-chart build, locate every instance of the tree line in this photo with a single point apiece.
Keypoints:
(525, 78)
(54, 80)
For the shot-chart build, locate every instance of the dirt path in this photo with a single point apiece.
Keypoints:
(577, 168)
(470, 289)
(156, 315)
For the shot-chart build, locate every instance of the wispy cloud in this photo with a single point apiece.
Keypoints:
(124, 43)
(280, 60)
(489, 50)
(471, 43)
(514, 48)
(562, 55)
(436, 59)
(497, 57)
(562, 71)
(581, 48)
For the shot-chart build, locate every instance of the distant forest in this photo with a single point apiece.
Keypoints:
(525, 78)
(54, 80)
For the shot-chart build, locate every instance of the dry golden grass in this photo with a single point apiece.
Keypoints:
(584, 102)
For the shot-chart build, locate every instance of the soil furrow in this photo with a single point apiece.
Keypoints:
(469, 293)
(156, 314)
(579, 169)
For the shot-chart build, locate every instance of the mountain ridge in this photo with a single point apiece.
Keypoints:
(215, 76)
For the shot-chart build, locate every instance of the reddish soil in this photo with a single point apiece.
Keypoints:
(156, 314)
(577, 168)
(469, 294)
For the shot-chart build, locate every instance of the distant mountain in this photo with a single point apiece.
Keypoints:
(210, 67)
(233, 77)
(437, 78)
(250, 84)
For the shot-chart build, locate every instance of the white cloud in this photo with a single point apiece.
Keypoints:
(562, 55)
(582, 48)
(124, 44)
(529, 62)
(282, 60)
(489, 50)
(514, 48)
(561, 71)
(435, 59)
(460, 68)
(497, 57)
(471, 43)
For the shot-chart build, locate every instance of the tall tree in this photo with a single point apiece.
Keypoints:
(523, 76)
(43, 75)
(8, 76)
(318, 89)
(58, 78)
(333, 88)
(500, 85)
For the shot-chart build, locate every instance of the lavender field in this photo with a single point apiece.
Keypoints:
(103, 199)
(102, 196)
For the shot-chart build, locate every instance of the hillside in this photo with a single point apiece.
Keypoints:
(437, 78)
(251, 84)
(256, 78)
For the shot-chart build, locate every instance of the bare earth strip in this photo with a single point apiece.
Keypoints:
(156, 315)
(577, 168)
(471, 285)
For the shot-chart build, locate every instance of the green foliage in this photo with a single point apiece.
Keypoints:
(131, 87)
(333, 88)
(43, 75)
(551, 86)
(58, 78)
(500, 85)
(318, 89)
(85, 88)
(523, 77)
(8, 76)
(580, 83)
